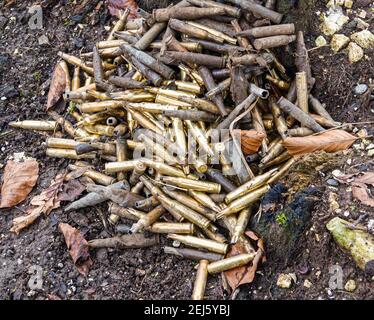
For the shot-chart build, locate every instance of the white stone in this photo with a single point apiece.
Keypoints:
(350, 286)
(43, 40)
(361, 13)
(355, 52)
(320, 41)
(307, 283)
(329, 28)
(364, 39)
(284, 281)
(338, 42)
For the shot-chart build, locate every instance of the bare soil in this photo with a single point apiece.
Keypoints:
(25, 71)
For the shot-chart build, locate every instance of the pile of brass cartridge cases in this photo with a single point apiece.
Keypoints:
(152, 110)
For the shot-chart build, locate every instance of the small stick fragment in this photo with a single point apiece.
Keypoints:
(305, 119)
(125, 241)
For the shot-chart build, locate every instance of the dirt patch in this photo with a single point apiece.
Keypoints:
(26, 68)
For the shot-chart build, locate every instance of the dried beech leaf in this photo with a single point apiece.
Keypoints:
(42, 203)
(361, 192)
(71, 190)
(366, 177)
(116, 6)
(250, 140)
(244, 274)
(19, 179)
(78, 247)
(58, 85)
(329, 141)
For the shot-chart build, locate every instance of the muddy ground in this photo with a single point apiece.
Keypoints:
(25, 71)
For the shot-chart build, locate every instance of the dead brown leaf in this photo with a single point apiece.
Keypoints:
(71, 190)
(359, 183)
(329, 141)
(42, 203)
(78, 247)
(366, 177)
(116, 6)
(19, 179)
(250, 140)
(58, 85)
(360, 191)
(244, 274)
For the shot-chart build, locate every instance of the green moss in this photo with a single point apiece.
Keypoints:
(37, 76)
(281, 219)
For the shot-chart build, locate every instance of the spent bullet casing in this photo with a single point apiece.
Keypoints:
(218, 177)
(305, 119)
(302, 91)
(42, 125)
(91, 107)
(163, 168)
(268, 31)
(193, 254)
(76, 62)
(139, 170)
(204, 199)
(148, 219)
(193, 31)
(258, 10)
(272, 42)
(68, 154)
(201, 104)
(60, 143)
(148, 73)
(249, 186)
(282, 171)
(203, 186)
(147, 203)
(229, 10)
(187, 13)
(126, 83)
(114, 167)
(230, 263)
(185, 212)
(197, 58)
(199, 243)
(244, 201)
(190, 202)
(190, 115)
(170, 227)
(200, 281)
(149, 61)
(241, 224)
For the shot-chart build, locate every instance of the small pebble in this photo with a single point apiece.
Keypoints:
(360, 89)
(307, 283)
(43, 40)
(284, 281)
(350, 286)
(332, 182)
